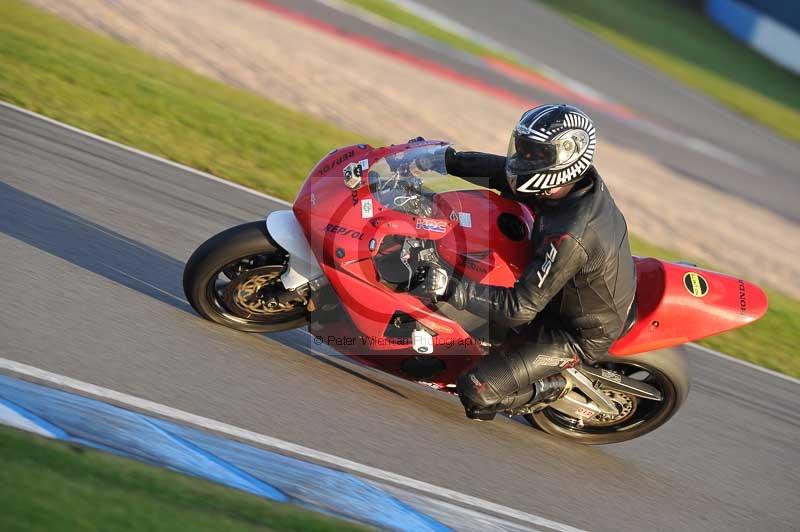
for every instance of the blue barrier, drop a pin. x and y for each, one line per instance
(89, 422)
(784, 10)
(738, 19)
(770, 37)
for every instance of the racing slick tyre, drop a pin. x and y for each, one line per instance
(234, 279)
(666, 370)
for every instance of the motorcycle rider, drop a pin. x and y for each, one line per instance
(575, 297)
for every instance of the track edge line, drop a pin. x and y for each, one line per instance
(169, 412)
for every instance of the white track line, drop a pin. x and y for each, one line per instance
(745, 363)
(275, 443)
(284, 202)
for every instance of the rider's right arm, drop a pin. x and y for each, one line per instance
(556, 260)
(482, 169)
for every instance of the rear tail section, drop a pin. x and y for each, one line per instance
(677, 303)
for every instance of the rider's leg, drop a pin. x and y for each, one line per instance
(505, 380)
(542, 390)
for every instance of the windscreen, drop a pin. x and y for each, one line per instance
(410, 180)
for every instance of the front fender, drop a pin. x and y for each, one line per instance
(285, 231)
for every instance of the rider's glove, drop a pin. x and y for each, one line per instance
(424, 163)
(436, 280)
(440, 285)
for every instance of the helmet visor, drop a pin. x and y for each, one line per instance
(527, 156)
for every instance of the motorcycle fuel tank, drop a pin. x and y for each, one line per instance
(491, 242)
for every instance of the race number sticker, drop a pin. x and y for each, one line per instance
(366, 208)
(364, 164)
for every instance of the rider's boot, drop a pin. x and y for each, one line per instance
(544, 390)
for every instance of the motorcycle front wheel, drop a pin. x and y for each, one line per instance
(665, 370)
(234, 279)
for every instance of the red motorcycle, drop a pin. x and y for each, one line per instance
(346, 259)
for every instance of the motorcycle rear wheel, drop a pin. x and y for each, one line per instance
(667, 370)
(233, 279)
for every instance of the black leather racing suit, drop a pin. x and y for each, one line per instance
(572, 300)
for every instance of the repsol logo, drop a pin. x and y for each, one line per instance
(344, 231)
(336, 162)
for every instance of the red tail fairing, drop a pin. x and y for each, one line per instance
(678, 304)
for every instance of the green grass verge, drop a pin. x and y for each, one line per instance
(687, 46)
(117, 91)
(114, 90)
(49, 485)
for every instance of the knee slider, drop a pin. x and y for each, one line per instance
(474, 392)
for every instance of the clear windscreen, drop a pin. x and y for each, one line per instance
(410, 180)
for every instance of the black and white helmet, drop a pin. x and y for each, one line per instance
(551, 146)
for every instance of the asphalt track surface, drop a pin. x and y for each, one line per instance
(682, 130)
(93, 239)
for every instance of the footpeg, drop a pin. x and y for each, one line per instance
(549, 389)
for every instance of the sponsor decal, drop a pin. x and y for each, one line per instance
(422, 341)
(465, 220)
(433, 225)
(584, 412)
(366, 208)
(610, 375)
(477, 255)
(553, 361)
(549, 259)
(695, 284)
(344, 231)
(364, 164)
(472, 261)
(352, 175)
(742, 297)
(330, 165)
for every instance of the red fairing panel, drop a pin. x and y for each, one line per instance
(481, 251)
(339, 233)
(679, 304)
